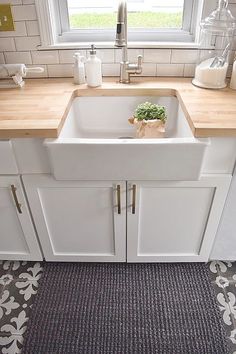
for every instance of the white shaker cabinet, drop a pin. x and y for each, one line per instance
(174, 221)
(160, 221)
(79, 221)
(18, 240)
(225, 241)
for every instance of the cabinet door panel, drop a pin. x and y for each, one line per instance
(174, 221)
(78, 220)
(17, 237)
(225, 242)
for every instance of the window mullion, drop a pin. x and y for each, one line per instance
(64, 15)
(187, 15)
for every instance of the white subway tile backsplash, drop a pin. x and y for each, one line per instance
(24, 12)
(45, 57)
(28, 1)
(7, 44)
(18, 57)
(118, 55)
(189, 70)
(149, 69)
(66, 56)
(189, 56)
(110, 69)
(157, 55)
(27, 43)
(132, 55)
(37, 75)
(32, 28)
(60, 70)
(170, 69)
(2, 59)
(231, 56)
(20, 30)
(12, 2)
(106, 55)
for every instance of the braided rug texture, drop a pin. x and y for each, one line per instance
(102, 308)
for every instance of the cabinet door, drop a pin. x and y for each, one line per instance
(174, 221)
(17, 236)
(79, 221)
(224, 247)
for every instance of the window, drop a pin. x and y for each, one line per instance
(95, 20)
(94, 14)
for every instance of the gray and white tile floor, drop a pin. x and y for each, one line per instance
(224, 281)
(18, 287)
(19, 282)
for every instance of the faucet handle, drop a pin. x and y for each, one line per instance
(140, 60)
(139, 68)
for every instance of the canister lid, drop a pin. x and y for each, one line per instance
(221, 19)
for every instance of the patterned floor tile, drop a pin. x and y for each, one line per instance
(18, 287)
(228, 269)
(11, 344)
(5, 269)
(221, 275)
(220, 268)
(26, 270)
(225, 308)
(16, 297)
(231, 297)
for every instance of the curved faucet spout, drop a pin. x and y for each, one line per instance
(126, 68)
(121, 27)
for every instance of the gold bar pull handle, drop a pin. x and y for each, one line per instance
(118, 199)
(134, 188)
(18, 205)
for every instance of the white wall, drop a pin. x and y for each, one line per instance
(21, 47)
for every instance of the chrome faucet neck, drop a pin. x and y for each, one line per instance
(126, 68)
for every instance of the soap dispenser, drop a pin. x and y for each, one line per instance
(79, 70)
(93, 69)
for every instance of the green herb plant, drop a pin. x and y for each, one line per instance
(150, 111)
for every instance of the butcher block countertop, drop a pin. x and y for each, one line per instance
(39, 109)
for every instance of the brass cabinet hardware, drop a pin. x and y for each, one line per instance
(118, 199)
(18, 205)
(134, 198)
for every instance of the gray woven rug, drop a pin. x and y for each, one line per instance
(87, 308)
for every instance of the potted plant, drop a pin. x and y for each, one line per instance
(149, 119)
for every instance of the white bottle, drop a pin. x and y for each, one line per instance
(93, 69)
(233, 77)
(79, 70)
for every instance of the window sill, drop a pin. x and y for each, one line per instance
(110, 45)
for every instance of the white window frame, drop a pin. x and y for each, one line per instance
(54, 25)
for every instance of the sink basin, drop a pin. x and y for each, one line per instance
(98, 143)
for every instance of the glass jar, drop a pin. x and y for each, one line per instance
(216, 39)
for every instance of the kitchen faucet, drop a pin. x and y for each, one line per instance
(126, 68)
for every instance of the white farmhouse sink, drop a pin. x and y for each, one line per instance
(97, 143)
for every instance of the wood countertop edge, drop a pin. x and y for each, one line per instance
(51, 128)
(6, 134)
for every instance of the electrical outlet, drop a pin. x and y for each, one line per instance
(6, 19)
